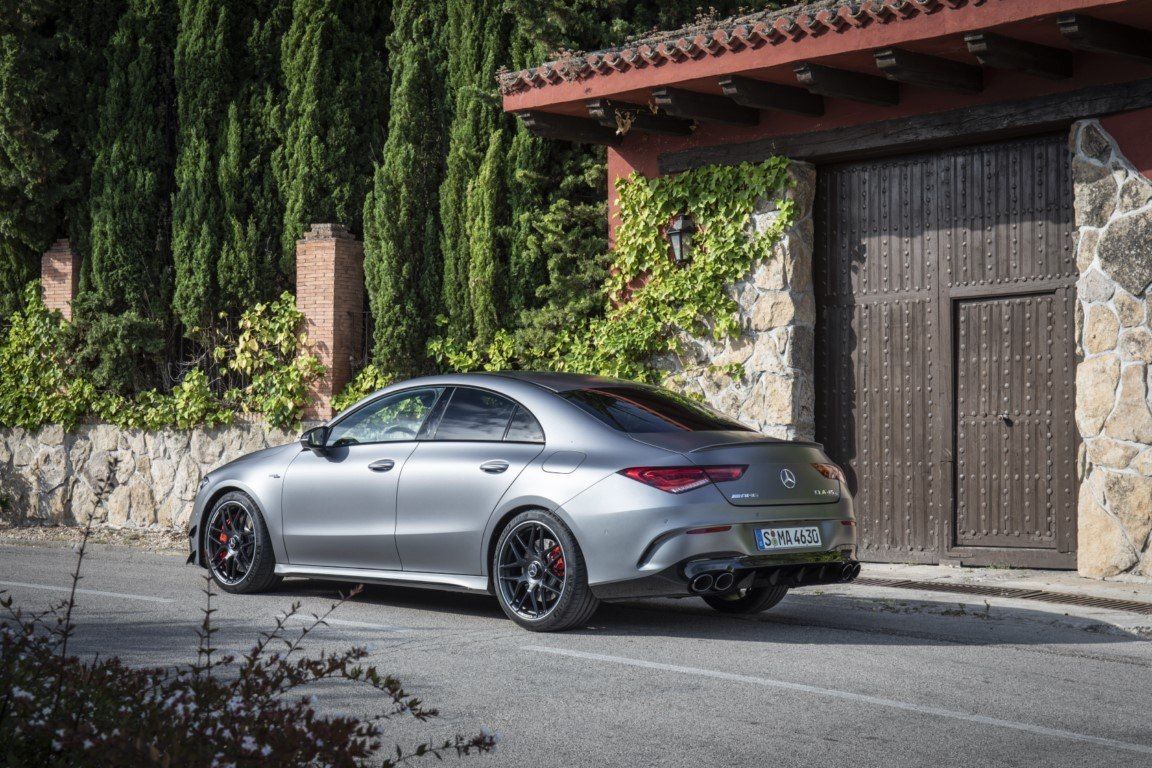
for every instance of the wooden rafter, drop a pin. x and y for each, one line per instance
(843, 84)
(759, 94)
(1001, 52)
(703, 106)
(581, 130)
(623, 116)
(931, 71)
(1099, 36)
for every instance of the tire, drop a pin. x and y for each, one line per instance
(750, 601)
(564, 602)
(255, 546)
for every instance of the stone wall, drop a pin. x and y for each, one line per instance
(1114, 345)
(50, 476)
(778, 315)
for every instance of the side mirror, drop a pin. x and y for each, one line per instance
(315, 440)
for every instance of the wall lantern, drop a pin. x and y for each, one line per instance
(679, 234)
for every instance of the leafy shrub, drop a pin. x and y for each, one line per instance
(36, 386)
(43, 382)
(371, 378)
(646, 300)
(268, 353)
(57, 709)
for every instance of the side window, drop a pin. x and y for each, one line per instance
(390, 419)
(524, 428)
(474, 414)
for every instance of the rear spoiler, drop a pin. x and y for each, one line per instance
(765, 441)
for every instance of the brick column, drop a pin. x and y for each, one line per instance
(60, 276)
(330, 294)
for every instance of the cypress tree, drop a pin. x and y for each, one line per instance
(253, 211)
(485, 237)
(204, 84)
(401, 227)
(34, 136)
(129, 275)
(479, 31)
(335, 112)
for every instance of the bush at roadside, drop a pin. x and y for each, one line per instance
(57, 709)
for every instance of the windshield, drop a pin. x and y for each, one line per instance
(637, 409)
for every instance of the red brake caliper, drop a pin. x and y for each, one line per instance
(556, 561)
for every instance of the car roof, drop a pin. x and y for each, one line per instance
(561, 382)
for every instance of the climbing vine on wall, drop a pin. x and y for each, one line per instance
(40, 382)
(648, 300)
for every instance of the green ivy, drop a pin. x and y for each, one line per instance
(41, 382)
(35, 383)
(647, 299)
(371, 378)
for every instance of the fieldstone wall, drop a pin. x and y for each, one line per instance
(50, 476)
(776, 395)
(1114, 344)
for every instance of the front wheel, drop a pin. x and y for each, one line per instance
(747, 601)
(539, 574)
(237, 548)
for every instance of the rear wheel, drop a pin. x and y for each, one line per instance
(747, 601)
(539, 574)
(237, 548)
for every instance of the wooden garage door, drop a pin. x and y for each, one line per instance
(944, 351)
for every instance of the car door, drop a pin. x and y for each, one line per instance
(339, 507)
(454, 480)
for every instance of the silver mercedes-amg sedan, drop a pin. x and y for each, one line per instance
(551, 491)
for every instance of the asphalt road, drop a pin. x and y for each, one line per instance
(847, 675)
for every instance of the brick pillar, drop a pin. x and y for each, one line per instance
(60, 276)
(330, 294)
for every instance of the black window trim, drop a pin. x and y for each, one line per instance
(444, 390)
(433, 439)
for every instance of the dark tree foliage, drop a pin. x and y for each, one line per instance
(248, 269)
(335, 113)
(35, 107)
(401, 214)
(128, 276)
(204, 73)
(479, 31)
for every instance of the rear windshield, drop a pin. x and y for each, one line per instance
(647, 409)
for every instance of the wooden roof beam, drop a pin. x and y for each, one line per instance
(1099, 36)
(929, 71)
(759, 94)
(549, 125)
(623, 116)
(1001, 52)
(704, 106)
(843, 84)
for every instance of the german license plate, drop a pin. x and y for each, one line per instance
(801, 537)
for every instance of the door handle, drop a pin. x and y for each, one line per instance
(494, 467)
(383, 465)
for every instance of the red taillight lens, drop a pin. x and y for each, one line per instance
(830, 471)
(681, 479)
(724, 474)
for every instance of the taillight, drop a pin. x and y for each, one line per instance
(831, 471)
(681, 479)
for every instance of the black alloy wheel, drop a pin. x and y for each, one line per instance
(237, 549)
(539, 574)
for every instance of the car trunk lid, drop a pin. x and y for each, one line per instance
(778, 471)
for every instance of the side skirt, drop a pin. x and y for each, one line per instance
(447, 581)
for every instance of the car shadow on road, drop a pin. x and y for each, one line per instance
(857, 620)
(802, 617)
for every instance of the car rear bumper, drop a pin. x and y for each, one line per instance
(798, 569)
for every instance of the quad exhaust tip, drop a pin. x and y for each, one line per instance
(702, 583)
(723, 582)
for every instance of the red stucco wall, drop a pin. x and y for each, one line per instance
(1133, 132)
